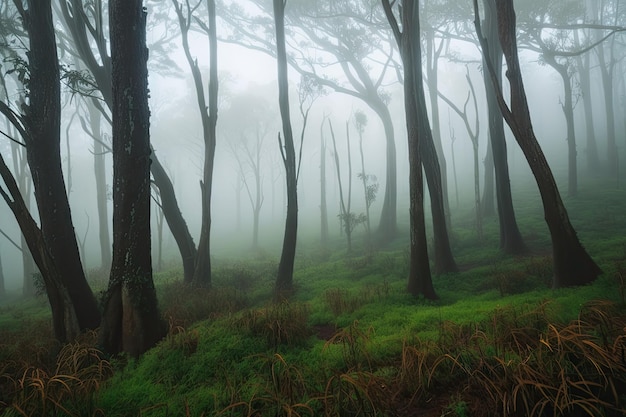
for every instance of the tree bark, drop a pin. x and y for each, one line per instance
(284, 278)
(78, 26)
(131, 320)
(420, 280)
(511, 240)
(572, 264)
(43, 122)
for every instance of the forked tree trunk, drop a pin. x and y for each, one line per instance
(572, 264)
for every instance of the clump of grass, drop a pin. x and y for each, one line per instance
(281, 323)
(69, 387)
(341, 301)
(183, 305)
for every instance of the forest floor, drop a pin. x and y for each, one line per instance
(350, 341)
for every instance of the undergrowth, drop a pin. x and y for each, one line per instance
(351, 342)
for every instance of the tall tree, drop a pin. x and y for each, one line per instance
(53, 244)
(208, 115)
(323, 203)
(334, 30)
(284, 278)
(86, 38)
(572, 263)
(408, 39)
(474, 134)
(131, 320)
(511, 240)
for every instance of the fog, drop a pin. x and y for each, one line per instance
(249, 76)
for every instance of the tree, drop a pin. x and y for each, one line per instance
(572, 263)
(284, 278)
(334, 30)
(131, 320)
(473, 133)
(408, 39)
(53, 243)
(348, 219)
(2, 287)
(208, 115)
(323, 203)
(370, 187)
(511, 240)
(85, 38)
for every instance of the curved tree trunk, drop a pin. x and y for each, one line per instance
(572, 264)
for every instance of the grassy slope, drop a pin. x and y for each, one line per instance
(231, 351)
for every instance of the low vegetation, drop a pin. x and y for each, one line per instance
(351, 342)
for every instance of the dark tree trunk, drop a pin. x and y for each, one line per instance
(208, 115)
(24, 185)
(568, 111)
(511, 241)
(572, 264)
(420, 281)
(174, 218)
(444, 261)
(131, 320)
(432, 73)
(43, 120)
(101, 189)
(78, 27)
(64, 320)
(284, 278)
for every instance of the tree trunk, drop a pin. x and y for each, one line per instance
(78, 27)
(432, 74)
(511, 241)
(101, 189)
(420, 281)
(284, 278)
(44, 158)
(2, 287)
(488, 200)
(584, 69)
(568, 111)
(174, 218)
(606, 70)
(24, 185)
(131, 320)
(572, 264)
(323, 204)
(387, 227)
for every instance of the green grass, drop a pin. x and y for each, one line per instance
(231, 351)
